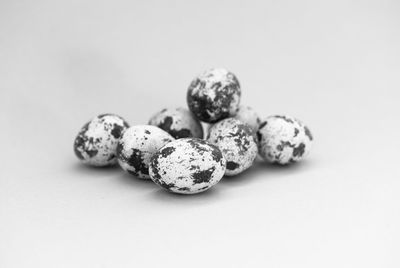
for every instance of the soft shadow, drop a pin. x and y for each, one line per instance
(290, 168)
(132, 181)
(263, 170)
(86, 169)
(244, 176)
(204, 197)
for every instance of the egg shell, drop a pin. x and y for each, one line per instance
(96, 143)
(249, 116)
(137, 146)
(179, 122)
(187, 166)
(283, 139)
(214, 95)
(236, 142)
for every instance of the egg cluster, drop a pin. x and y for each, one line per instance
(173, 149)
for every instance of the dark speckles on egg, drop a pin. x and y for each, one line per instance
(263, 124)
(286, 118)
(298, 151)
(96, 143)
(283, 140)
(203, 175)
(166, 125)
(167, 186)
(187, 166)
(167, 151)
(101, 116)
(138, 145)
(259, 136)
(79, 145)
(214, 95)
(308, 133)
(296, 132)
(136, 160)
(237, 143)
(178, 122)
(117, 130)
(216, 153)
(231, 165)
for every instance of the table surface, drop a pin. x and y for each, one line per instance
(333, 64)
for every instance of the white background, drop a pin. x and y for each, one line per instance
(333, 64)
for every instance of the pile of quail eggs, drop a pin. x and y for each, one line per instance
(173, 149)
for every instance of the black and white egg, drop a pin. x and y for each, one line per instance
(248, 115)
(187, 166)
(283, 139)
(138, 145)
(214, 95)
(236, 142)
(96, 143)
(179, 122)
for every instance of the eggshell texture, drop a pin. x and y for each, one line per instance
(187, 166)
(236, 142)
(138, 145)
(178, 122)
(96, 143)
(249, 116)
(283, 139)
(214, 95)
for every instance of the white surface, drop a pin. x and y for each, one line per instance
(335, 65)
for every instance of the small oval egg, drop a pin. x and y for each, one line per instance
(96, 143)
(283, 139)
(236, 142)
(248, 115)
(179, 122)
(187, 166)
(137, 146)
(214, 95)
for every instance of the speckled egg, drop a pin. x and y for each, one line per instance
(283, 139)
(96, 143)
(179, 122)
(138, 145)
(236, 142)
(214, 95)
(248, 115)
(187, 166)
